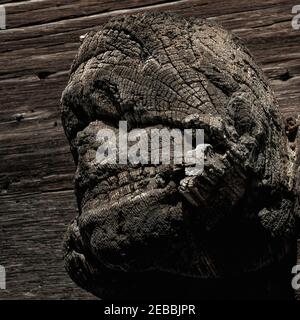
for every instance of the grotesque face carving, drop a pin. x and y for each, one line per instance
(158, 70)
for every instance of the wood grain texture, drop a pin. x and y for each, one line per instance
(36, 168)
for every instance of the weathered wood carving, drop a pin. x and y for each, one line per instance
(143, 226)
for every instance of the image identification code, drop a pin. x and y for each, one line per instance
(151, 309)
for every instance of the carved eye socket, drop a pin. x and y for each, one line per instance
(241, 106)
(243, 122)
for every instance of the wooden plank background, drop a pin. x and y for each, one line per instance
(36, 168)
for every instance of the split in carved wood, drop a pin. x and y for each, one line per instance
(239, 215)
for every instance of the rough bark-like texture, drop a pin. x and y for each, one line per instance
(36, 169)
(145, 222)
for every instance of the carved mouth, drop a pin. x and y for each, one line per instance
(125, 206)
(126, 211)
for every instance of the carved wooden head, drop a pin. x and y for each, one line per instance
(238, 215)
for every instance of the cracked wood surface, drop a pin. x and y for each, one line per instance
(37, 48)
